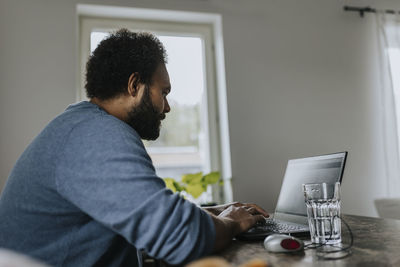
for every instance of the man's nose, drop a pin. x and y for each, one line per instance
(167, 108)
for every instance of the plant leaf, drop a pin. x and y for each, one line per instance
(194, 178)
(170, 184)
(179, 186)
(195, 190)
(212, 178)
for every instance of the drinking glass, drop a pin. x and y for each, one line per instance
(323, 212)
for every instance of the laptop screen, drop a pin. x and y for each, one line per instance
(319, 169)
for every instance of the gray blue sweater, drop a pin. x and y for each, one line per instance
(85, 193)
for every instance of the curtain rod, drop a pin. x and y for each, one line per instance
(367, 9)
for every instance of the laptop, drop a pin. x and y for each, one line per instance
(290, 215)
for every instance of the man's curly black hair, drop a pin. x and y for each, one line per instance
(117, 57)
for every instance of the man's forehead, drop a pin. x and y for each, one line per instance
(162, 76)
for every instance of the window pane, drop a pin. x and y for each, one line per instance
(96, 38)
(180, 148)
(185, 68)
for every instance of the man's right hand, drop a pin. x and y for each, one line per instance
(232, 221)
(242, 217)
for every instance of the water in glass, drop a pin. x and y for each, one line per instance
(324, 220)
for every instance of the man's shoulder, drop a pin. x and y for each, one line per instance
(85, 116)
(87, 122)
(83, 113)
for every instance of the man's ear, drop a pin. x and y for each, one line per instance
(133, 84)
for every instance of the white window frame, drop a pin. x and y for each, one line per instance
(177, 23)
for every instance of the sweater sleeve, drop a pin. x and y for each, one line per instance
(104, 170)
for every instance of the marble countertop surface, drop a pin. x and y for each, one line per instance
(376, 243)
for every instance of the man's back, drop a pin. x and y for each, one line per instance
(74, 198)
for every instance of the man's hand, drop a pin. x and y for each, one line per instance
(243, 218)
(235, 219)
(216, 210)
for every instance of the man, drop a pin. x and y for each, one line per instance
(85, 192)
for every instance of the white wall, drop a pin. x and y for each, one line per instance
(301, 80)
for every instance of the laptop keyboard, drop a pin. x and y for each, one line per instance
(271, 225)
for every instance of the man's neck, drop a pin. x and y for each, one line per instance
(115, 107)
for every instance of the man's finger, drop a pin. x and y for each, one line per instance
(236, 204)
(259, 209)
(252, 210)
(258, 218)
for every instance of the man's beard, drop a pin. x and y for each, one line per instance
(145, 118)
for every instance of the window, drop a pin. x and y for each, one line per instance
(190, 136)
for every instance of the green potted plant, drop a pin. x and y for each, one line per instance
(194, 184)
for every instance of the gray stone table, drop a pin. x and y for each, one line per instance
(376, 243)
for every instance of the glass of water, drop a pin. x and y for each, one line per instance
(323, 211)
